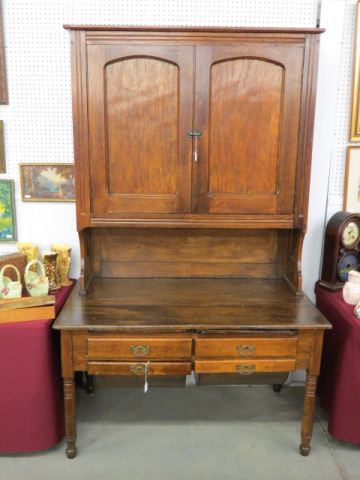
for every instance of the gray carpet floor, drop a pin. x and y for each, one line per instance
(200, 433)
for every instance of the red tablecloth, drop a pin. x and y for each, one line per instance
(339, 382)
(31, 404)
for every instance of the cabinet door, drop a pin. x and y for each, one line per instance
(247, 109)
(140, 100)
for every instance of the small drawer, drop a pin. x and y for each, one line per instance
(245, 347)
(138, 369)
(112, 347)
(244, 367)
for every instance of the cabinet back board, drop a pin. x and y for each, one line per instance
(143, 253)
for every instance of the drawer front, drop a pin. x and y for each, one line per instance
(103, 347)
(246, 347)
(244, 367)
(138, 369)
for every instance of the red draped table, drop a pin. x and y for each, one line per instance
(339, 381)
(31, 403)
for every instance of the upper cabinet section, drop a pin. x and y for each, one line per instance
(193, 127)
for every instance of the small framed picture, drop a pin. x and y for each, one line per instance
(47, 182)
(7, 211)
(2, 148)
(352, 180)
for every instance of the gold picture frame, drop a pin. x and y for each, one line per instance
(355, 107)
(352, 180)
(8, 231)
(2, 148)
(47, 182)
(3, 83)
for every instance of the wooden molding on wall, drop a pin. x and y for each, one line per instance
(3, 83)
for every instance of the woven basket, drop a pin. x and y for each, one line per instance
(8, 287)
(36, 284)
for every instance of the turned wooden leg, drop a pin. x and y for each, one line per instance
(308, 414)
(70, 425)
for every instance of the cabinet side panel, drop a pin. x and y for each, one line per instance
(80, 128)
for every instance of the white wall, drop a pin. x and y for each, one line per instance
(331, 51)
(38, 123)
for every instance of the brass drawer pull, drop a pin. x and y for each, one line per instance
(137, 369)
(245, 350)
(245, 369)
(140, 350)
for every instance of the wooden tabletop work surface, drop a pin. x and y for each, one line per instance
(188, 304)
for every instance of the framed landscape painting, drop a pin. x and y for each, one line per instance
(47, 182)
(7, 211)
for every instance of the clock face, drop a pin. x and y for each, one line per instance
(350, 235)
(347, 262)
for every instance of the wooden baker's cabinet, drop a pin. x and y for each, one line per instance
(192, 156)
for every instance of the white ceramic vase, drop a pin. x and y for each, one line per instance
(351, 289)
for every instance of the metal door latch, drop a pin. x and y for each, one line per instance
(195, 134)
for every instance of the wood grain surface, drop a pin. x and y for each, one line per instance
(170, 305)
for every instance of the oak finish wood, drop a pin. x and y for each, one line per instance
(244, 367)
(136, 368)
(69, 393)
(248, 151)
(206, 280)
(249, 347)
(183, 253)
(140, 108)
(139, 347)
(293, 41)
(172, 29)
(180, 305)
